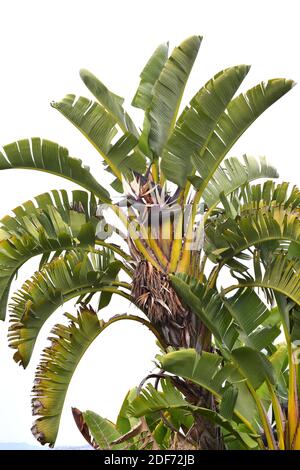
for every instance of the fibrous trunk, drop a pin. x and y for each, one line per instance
(179, 328)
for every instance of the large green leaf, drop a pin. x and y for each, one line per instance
(169, 399)
(110, 101)
(43, 155)
(125, 421)
(207, 371)
(167, 93)
(241, 112)
(202, 369)
(77, 274)
(281, 275)
(103, 431)
(254, 366)
(279, 361)
(126, 158)
(240, 316)
(56, 369)
(268, 195)
(234, 175)
(249, 313)
(100, 127)
(267, 214)
(100, 432)
(209, 306)
(149, 76)
(197, 122)
(52, 223)
(58, 364)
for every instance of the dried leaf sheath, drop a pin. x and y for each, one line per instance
(153, 292)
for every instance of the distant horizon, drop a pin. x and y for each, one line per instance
(28, 446)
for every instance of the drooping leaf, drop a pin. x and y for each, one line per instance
(53, 223)
(151, 400)
(77, 274)
(282, 275)
(207, 371)
(44, 155)
(264, 216)
(58, 364)
(234, 174)
(55, 371)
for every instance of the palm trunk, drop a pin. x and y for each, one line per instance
(180, 328)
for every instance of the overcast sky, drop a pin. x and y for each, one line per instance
(43, 45)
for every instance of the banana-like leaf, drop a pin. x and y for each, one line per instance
(99, 126)
(92, 119)
(44, 155)
(228, 402)
(169, 399)
(263, 338)
(241, 112)
(206, 370)
(53, 223)
(281, 275)
(268, 195)
(202, 369)
(149, 76)
(58, 364)
(261, 220)
(126, 158)
(279, 361)
(167, 93)
(197, 122)
(209, 306)
(233, 175)
(254, 366)
(228, 318)
(125, 421)
(77, 274)
(102, 430)
(110, 101)
(249, 313)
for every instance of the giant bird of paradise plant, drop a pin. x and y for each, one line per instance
(189, 214)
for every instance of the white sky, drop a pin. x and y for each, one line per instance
(43, 45)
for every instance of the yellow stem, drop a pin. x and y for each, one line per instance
(138, 243)
(176, 245)
(293, 403)
(154, 245)
(186, 252)
(154, 171)
(279, 418)
(264, 419)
